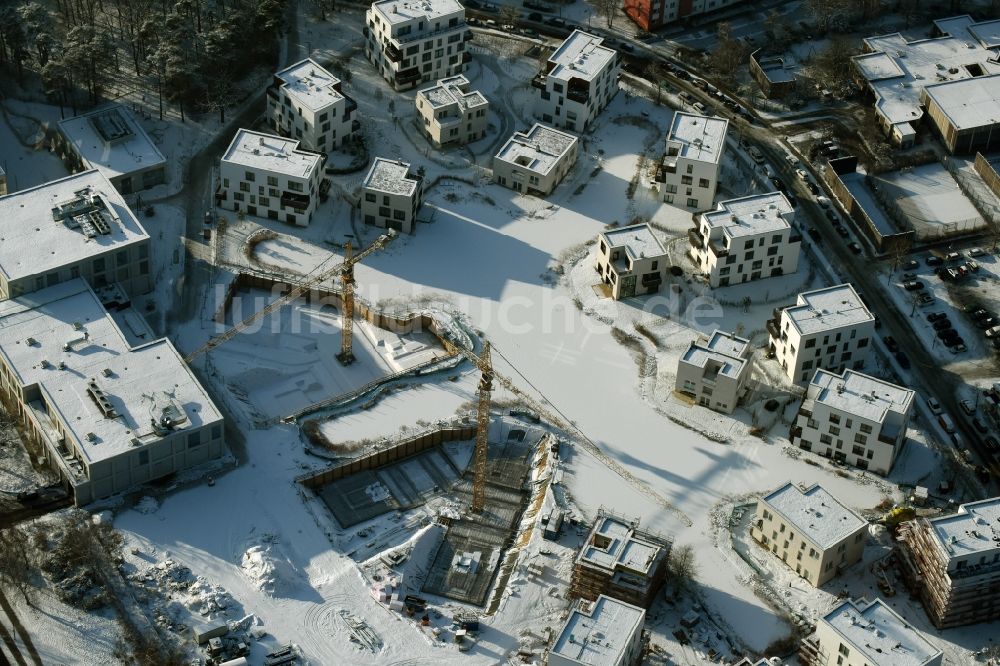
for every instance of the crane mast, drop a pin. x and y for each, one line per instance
(482, 430)
(346, 355)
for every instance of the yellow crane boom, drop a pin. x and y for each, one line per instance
(296, 291)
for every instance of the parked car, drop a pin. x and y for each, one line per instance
(913, 285)
(909, 276)
(823, 202)
(891, 344)
(941, 324)
(934, 405)
(992, 444)
(832, 216)
(967, 407)
(979, 425)
(814, 234)
(535, 16)
(953, 256)
(987, 323)
(801, 173)
(924, 300)
(979, 313)
(854, 247)
(842, 231)
(946, 423)
(911, 265)
(812, 187)
(993, 332)
(954, 342)
(936, 316)
(947, 333)
(556, 22)
(903, 360)
(934, 260)
(976, 252)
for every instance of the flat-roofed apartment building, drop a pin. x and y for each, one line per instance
(75, 227)
(621, 561)
(108, 409)
(605, 632)
(110, 140)
(867, 633)
(450, 113)
(536, 161)
(414, 41)
(688, 174)
(714, 371)
(653, 14)
(953, 563)
(578, 81)
(306, 102)
(268, 176)
(391, 195)
(745, 239)
(827, 328)
(810, 531)
(898, 73)
(631, 260)
(854, 418)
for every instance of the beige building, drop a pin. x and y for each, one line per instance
(631, 261)
(606, 632)
(745, 239)
(854, 418)
(966, 114)
(414, 41)
(862, 633)
(810, 531)
(305, 102)
(714, 371)
(109, 408)
(827, 328)
(268, 176)
(688, 174)
(953, 563)
(536, 161)
(391, 196)
(449, 113)
(577, 82)
(74, 227)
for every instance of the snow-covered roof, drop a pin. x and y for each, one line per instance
(969, 103)
(815, 514)
(110, 140)
(638, 240)
(695, 137)
(271, 153)
(860, 395)
(827, 309)
(34, 239)
(539, 149)
(400, 11)
(973, 530)
(452, 90)
(897, 69)
(310, 85)
(726, 349)
(880, 634)
(748, 216)
(390, 177)
(66, 324)
(582, 56)
(598, 634)
(622, 547)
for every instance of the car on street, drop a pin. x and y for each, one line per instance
(909, 276)
(989, 322)
(842, 231)
(823, 202)
(813, 189)
(947, 334)
(967, 407)
(946, 423)
(814, 234)
(959, 348)
(903, 360)
(913, 285)
(891, 344)
(934, 405)
(979, 425)
(801, 173)
(934, 260)
(910, 265)
(941, 324)
(535, 16)
(936, 316)
(976, 252)
(992, 445)
(832, 216)
(953, 256)
(854, 247)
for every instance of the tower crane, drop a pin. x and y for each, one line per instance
(482, 450)
(346, 271)
(346, 355)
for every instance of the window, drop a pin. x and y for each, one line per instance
(835, 418)
(773, 250)
(810, 343)
(143, 457)
(250, 176)
(703, 182)
(860, 439)
(858, 450)
(369, 197)
(811, 423)
(99, 265)
(399, 214)
(692, 203)
(686, 180)
(384, 211)
(865, 428)
(272, 181)
(244, 187)
(194, 440)
(863, 342)
(834, 430)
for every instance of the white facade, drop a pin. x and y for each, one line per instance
(606, 632)
(534, 162)
(391, 196)
(74, 227)
(860, 633)
(714, 371)
(450, 113)
(109, 410)
(414, 41)
(810, 531)
(827, 328)
(631, 260)
(305, 102)
(688, 175)
(746, 239)
(268, 176)
(854, 418)
(578, 81)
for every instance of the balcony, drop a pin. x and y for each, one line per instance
(579, 96)
(272, 92)
(886, 439)
(392, 53)
(696, 239)
(411, 75)
(538, 81)
(794, 432)
(295, 200)
(652, 280)
(795, 238)
(466, 57)
(468, 36)
(774, 328)
(718, 250)
(427, 34)
(351, 105)
(355, 125)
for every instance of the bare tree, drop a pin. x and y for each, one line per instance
(728, 53)
(898, 248)
(608, 9)
(682, 569)
(509, 15)
(15, 560)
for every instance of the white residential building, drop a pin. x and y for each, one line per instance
(688, 175)
(108, 405)
(862, 633)
(74, 227)
(391, 196)
(414, 41)
(631, 261)
(268, 176)
(746, 239)
(110, 140)
(810, 530)
(854, 418)
(606, 632)
(450, 113)
(714, 371)
(578, 81)
(826, 328)
(305, 102)
(534, 162)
